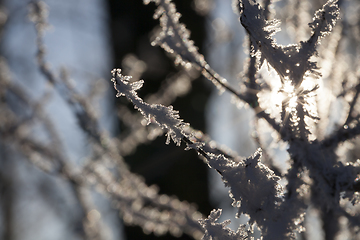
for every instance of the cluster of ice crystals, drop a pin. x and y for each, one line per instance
(166, 117)
(219, 231)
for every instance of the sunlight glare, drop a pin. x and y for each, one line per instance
(289, 95)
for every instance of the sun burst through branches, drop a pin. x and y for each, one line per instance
(289, 97)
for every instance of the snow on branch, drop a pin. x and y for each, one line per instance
(254, 187)
(166, 117)
(175, 39)
(217, 231)
(290, 62)
(325, 19)
(255, 191)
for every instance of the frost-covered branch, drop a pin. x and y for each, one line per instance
(254, 188)
(139, 133)
(219, 231)
(166, 117)
(290, 62)
(175, 39)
